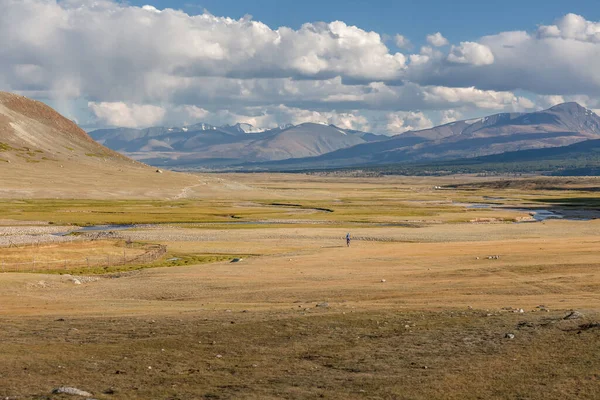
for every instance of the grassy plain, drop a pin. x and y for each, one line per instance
(414, 309)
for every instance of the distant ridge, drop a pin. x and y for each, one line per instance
(316, 146)
(561, 125)
(208, 145)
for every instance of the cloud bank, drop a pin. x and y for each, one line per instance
(140, 66)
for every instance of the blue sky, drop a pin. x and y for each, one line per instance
(380, 66)
(458, 20)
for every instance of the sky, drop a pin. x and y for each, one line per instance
(381, 66)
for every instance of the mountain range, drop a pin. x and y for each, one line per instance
(41, 149)
(316, 146)
(561, 125)
(208, 145)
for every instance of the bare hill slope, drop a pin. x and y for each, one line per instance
(43, 154)
(31, 132)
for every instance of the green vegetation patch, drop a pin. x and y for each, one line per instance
(169, 260)
(130, 212)
(5, 147)
(94, 155)
(572, 202)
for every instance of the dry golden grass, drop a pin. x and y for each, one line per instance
(73, 251)
(434, 329)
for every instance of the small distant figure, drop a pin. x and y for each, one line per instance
(348, 239)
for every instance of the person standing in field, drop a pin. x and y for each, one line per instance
(348, 239)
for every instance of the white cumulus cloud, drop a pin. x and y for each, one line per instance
(437, 40)
(402, 42)
(471, 53)
(113, 48)
(572, 27)
(139, 66)
(553, 59)
(401, 122)
(128, 116)
(449, 116)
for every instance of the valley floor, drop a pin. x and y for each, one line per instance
(434, 299)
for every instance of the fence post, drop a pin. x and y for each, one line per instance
(33, 264)
(88, 262)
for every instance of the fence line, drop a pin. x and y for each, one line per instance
(153, 253)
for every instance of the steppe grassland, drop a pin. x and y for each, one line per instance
(434, 329)
(307, 198)
(68, 251)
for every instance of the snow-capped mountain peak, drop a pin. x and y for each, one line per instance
(242, 127)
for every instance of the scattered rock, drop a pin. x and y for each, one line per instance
(219, 356)
(71, 390)
(76, 281)
(524, 324)
(509, 336)
(574, 315)
(235, 260)
(323, 305)
(585, 327)
(383, 281)
(159, 171)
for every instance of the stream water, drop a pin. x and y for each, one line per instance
(538, 215)
(96, 228)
